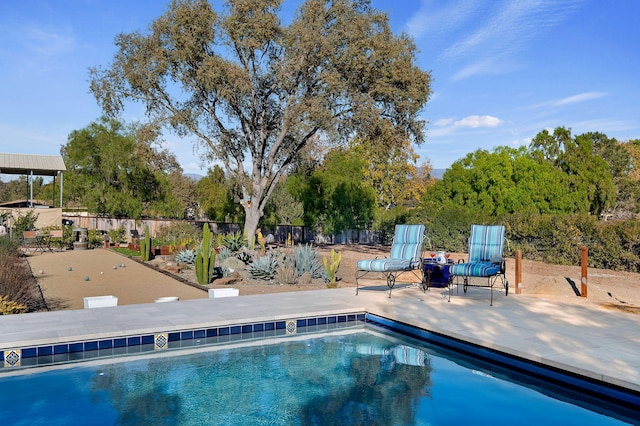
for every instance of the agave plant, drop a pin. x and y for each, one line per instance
(264, 267)
(235, 241)
(306, 260)
(186, 256)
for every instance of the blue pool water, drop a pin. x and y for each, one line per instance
(352, 377)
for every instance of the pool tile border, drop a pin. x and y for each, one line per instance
(57, 353)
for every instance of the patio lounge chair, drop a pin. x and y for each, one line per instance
(486, 245)
(406, 255)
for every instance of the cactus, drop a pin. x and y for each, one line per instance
(205, 258)
(331, 265)
(145, 245)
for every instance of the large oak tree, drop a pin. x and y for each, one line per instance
(254, 91)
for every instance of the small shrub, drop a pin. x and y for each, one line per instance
(9, 307)
(286, 273)
(24, 223)
(179, 233)
(118, 235)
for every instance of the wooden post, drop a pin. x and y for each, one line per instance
(518, 272)
(583, 279)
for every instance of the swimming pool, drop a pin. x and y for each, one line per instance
(357, 375)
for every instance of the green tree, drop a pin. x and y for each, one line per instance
(214, 194)
(335, 195)
(108, 172)
(254, 92)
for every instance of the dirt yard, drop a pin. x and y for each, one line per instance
(111, 273)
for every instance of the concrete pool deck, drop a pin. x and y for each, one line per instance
(596, 343)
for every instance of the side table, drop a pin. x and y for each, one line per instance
(436, 274)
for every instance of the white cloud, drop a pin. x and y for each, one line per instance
(569, 100)
(443, 122)
(475, 121)
(582, 97)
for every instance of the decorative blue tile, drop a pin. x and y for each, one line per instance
(90, 346)
(269, 326)
(301, 323)
(60, 349)
(258, 327)
(312, 321)
(147, 340)
(29, 353)
(105, 344)
(76, 347)
(174, 337)
(45, 350)
(236, 329)
(212, 332)
(351, 317)
(322, 320)
(134, 341)
(331, 320)
(199, 334)
(120, 342)
(281, 325)
(247, 329)
(186, 335)
(223, 331)
(342, 318)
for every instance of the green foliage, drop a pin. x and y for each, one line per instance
(178, 233)
(145, 245)
(335, 196)
(126, 251)
(264, 267)
(118, 235)
(331, 265)
(215, 196)
(234, 241)
(205, 257)
(125, 172)
(306, 261)
(186, 256)
(26, 222)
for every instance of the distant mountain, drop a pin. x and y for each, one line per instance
(194, 176)
(437, 173)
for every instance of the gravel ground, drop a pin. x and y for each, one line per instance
(138, 283)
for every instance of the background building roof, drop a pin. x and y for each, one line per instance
(24, 164)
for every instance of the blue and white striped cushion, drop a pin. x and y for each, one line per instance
(475, 269)
(385, 265)
(486, 243)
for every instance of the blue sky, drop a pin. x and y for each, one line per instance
(502, 70)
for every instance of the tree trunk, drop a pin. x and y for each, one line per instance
(252, 216)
